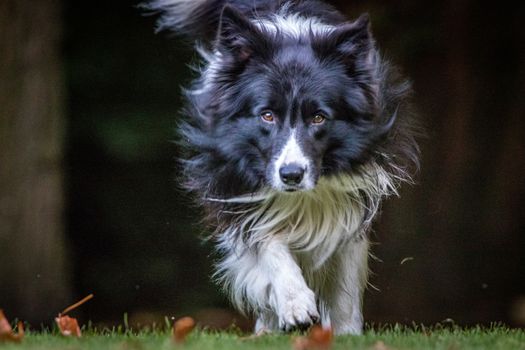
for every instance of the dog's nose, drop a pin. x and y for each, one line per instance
(291, 174)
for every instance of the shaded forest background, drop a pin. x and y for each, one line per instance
(89, 97)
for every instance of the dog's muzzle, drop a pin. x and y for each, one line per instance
(292, 174)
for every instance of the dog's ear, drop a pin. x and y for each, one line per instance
(238, 37)
(354, 36)
(353, 45)
(352, 42)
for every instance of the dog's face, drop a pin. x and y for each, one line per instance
(294, 104)
(298, 121)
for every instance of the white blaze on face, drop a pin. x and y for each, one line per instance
(292, 154)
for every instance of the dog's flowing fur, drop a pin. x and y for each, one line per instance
(293, 252)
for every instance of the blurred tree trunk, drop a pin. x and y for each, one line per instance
(33, 275)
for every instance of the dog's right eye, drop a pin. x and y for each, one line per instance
(268, 117)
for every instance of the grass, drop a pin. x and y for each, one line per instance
(394, 337)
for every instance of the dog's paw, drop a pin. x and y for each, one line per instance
(297, 309)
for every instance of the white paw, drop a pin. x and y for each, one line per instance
(297, 308)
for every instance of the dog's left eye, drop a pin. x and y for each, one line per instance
(318, 118)
(268, 116)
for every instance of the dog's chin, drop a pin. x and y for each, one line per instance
(293, 189)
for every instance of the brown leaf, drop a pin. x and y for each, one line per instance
(5, 327)
(318, 338)
(182, 328)
(301, 343)
(380, 345)
(6, 332)
(68, 326)
(321, 336)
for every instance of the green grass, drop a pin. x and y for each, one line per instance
(395, 337)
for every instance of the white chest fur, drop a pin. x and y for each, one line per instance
(288, 239)
(317, 221)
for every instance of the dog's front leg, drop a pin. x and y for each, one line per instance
(291, 299)
(344, 295)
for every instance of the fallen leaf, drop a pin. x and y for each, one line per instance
(318, 338)
(6, 332)
(321, 336)
(5, 327)
(380, 345)
(182, 328)
(68, 326)
(301, 343)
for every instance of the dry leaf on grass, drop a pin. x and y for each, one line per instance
(68, 326)
(6, 332)
(380, 345)
(182, 328)
(318, 338)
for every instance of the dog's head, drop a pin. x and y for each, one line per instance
(288, 100)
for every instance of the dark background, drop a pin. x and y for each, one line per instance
(451, 247)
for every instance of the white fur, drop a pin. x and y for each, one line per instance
(208, 73)
(294, 25)
(292, 153)
(175, 12)
(305, 253)
(343, 297)
(249, 198)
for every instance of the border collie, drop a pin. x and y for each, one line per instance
(295, 130)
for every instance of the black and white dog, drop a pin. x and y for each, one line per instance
(295, 131)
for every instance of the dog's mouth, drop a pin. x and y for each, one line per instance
(293, 188)
(304, 186)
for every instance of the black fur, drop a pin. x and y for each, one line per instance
(202, 23)
(229, 148)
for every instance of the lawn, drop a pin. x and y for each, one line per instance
(387, 338)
